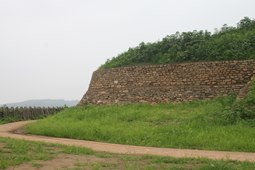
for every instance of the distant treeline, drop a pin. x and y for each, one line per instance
(26, 113)
(226, 43)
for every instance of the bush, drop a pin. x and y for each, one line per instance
(236, 114)
(242, 110)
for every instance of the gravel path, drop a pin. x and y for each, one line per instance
(6, 130)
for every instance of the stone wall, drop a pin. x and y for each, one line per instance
(168, 82)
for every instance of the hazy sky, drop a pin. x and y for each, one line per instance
(49, 48)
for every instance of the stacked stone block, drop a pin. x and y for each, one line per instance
(168, 82)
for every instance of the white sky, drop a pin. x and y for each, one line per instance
(49, 48)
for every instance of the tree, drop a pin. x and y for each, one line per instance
(246, 22)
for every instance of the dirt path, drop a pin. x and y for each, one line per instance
(6, 130)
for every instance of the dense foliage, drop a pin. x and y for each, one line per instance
(228, 43)
(9, 114)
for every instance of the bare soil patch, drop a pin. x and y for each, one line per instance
(66, 161)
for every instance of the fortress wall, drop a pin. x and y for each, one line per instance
(168, 82)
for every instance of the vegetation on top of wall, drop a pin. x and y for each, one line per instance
(227, 43)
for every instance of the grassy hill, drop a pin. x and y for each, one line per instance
(219, 124)
(227, 43)
(223, 123)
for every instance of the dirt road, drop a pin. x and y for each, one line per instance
(6, 130)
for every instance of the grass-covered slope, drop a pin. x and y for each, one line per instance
(219, 124)
(229, 43)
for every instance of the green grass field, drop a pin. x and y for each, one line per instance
(16, 152)
(194, 125)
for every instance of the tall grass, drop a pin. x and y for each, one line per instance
(197, 125)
